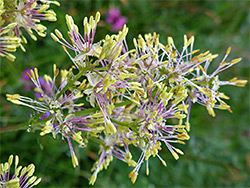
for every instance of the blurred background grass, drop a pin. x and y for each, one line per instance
(217, 155)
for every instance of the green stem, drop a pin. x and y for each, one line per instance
(70, 83)
(35, 122)
(22, 126)
(17, 127)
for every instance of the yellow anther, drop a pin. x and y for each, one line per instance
(97, 16)
(32, 74)
(77, 137)
(83, 84)
(159, 119)
(74, 160)
(193, 52)
(92, 22)
(164, 163)
(13, 97)
(183, 107)
(37, 181)
(179, 116)
(210, 111)
(165, 62)
(54, 37)
(30, 170)
(185, 41)
(18, 170)
(64, 73)
(10, 160)
(241, 83)
(190, 41)
(33, 37)
(16, 161)
(55, 3)
(92, 179)
(24, 170)
(181, 142)
(183, 136)
(223, 96)
(170, 41)
(47, 128)
(235, 61)
(58, 33)
(36, 73)
(145, 56)
(179, 151)
(147, 171)
(175, 155)
(32, 179)
(47, 78)
(135, 42)
(43, 8)
(133, 176)
(228, 50)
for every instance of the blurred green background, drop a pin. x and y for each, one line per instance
(217, 155)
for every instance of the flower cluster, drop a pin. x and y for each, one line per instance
(22, 177)
(122, 98)
(17, 16)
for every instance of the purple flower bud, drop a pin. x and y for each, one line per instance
(45, 115)
(114, 17)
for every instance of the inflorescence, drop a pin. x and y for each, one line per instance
(122, 98)
(18, 16)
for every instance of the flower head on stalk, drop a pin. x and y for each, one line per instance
(81, 45)
(55, 106)
(27, 14)
(8, 43)
(153, 119)
(22, 177)
(174, 68)
(111, 148)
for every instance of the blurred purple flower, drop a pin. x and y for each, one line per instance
(245, 133)
(114, 17)
(30, 86)
(118, 25)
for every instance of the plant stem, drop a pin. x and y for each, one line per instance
(70, 83)
(22, 126)
(35, 122)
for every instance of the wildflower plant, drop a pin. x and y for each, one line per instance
(122, 98)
